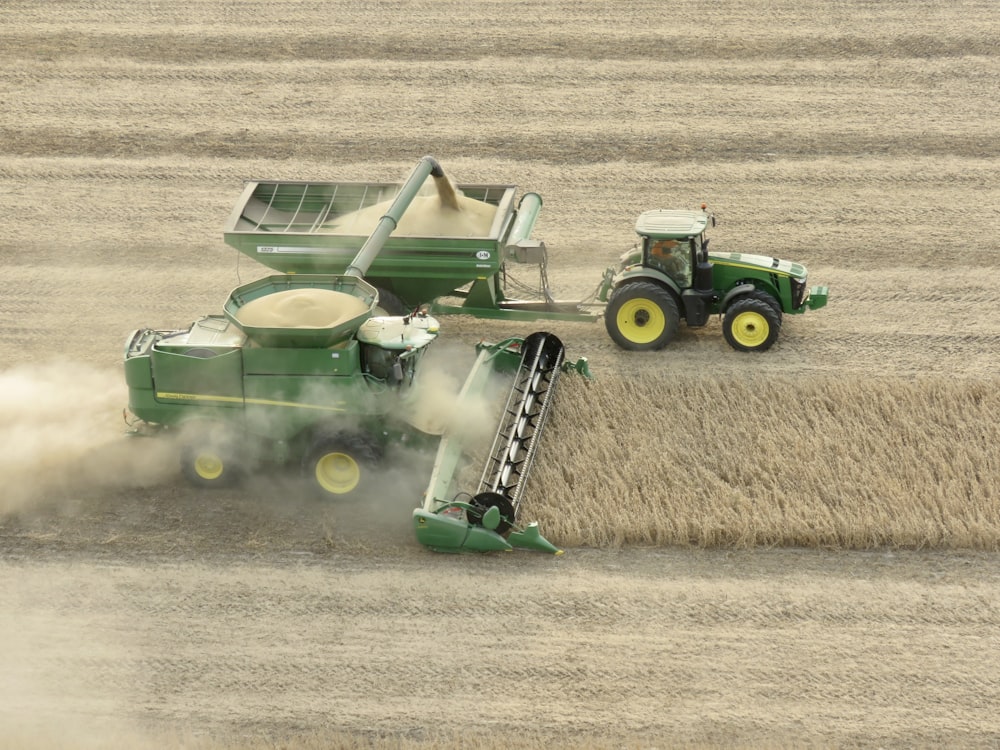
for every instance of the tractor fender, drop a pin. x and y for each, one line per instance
(736, 291)
(649, 274)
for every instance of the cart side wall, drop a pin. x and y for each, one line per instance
(286, 226)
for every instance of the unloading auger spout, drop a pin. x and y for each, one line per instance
(451, 521)
(427, 166)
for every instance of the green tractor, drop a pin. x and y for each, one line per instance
(671, 276)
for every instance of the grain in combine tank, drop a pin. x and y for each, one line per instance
(301, 308)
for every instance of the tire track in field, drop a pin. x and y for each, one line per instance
(589, 633)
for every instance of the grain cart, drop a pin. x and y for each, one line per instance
(434, 258)
(316, 227)
(304, 368)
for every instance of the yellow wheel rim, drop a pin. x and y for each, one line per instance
(641, 321)
(337, 473)
(208, 466)
(750, 329)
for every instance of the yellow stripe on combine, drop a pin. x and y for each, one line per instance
(198, 397)
(752, 268)
(238, 400)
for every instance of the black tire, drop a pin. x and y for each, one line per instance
(211, 455)
(390, 304)
(340, 466)
(751, 325)
(642, 316)
(765, 297)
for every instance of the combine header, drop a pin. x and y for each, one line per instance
(453, 521)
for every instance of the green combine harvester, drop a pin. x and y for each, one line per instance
(308, 369)
(316, 366)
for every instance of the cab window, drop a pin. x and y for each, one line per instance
(672, 257)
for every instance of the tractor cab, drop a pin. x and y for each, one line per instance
(674, 243)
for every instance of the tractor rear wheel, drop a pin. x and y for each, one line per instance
(751, 325)
(642, 316)
(210, 455)
(340, 466)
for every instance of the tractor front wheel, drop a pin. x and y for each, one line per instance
(769, 299)
(340, 466)
(642, 316)
(751, 325)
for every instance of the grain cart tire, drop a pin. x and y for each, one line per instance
(389, 303)
(751, 325)
(339, 466)
(210, 455)
(642, 316)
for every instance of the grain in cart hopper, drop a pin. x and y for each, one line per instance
(317, 227)
(329, 395)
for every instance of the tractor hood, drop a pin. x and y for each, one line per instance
(759, 263)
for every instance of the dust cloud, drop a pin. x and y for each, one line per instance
(61, 431)
(434, 406)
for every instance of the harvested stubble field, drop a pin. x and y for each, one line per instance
(792, 549)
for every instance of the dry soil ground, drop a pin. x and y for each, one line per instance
(859, 138)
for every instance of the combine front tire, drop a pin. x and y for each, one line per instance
(210, 456)
(751, 325)
(339, 466)
(642, 316)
